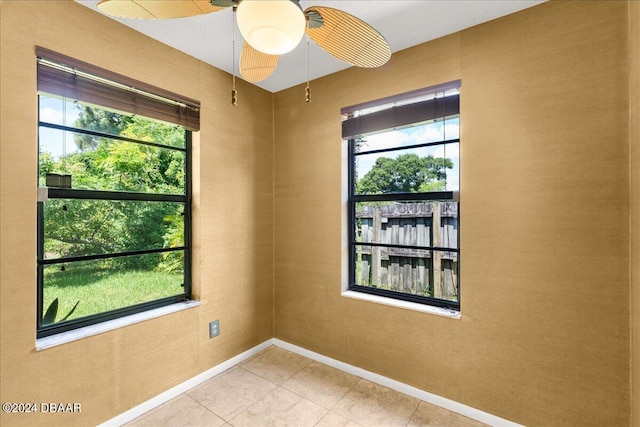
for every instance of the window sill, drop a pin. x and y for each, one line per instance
(87, 331)
(438, 311)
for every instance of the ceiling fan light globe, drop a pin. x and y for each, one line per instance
(274, 27)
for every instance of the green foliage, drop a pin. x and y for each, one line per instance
(154, 131)
(173, 262)
(84, 227)
(47, 165)
(408, 173)
(102, 288)
(52, 313)
(100, 121)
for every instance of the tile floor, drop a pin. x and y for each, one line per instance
(279, 388)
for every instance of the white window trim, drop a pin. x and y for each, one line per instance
(110, 325)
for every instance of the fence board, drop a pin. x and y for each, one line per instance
(422, 272)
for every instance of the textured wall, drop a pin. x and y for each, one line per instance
(634, 138)
(544, 334)
(233, 229)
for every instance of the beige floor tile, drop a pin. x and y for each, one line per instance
(334, 420)
(370, 404)
(321, 384)
(180, 411)
(428, 415)
(281, 407)
(231, 392)
(311, 394)
(276, 364)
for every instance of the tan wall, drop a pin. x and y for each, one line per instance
(634, 138)
(544, 334)
(233, 270)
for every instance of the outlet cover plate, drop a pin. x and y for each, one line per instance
(214, 328)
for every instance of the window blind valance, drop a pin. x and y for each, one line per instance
(64, 76)
(401, 115)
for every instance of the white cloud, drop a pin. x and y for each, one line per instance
(449, 151)
(434, 132)
(50, 115)
(423, 134)
(386, 140)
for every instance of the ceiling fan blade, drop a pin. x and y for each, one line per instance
(156, 9)
(347, 38)
(256, 66)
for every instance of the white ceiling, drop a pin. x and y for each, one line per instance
(404, 23)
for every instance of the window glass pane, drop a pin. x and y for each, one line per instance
(108, 284)
(451, 152)
(80, 115)
(58, 111)
(91, 227)
(423, 169)
(408, 223)
(109, 164)
(405, 232)
(422, 133)
(400, 270)
(446, 271)
(409, 271)
(104, 150)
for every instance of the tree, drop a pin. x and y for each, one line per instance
(84, 227)
(100, 121)
(407, 173)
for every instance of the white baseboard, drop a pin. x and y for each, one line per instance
(176, 391)
(451, 405)
(443, 402)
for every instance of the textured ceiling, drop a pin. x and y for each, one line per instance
(404, 23)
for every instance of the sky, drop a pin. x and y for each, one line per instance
(430, 132)
(56, 111)
(58, 143)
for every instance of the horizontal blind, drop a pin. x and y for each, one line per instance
(64, 76)
(401, 115)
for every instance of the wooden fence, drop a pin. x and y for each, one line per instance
(416, 271)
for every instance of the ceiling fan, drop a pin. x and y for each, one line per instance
(271, 28)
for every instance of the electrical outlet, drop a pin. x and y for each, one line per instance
(214, 328)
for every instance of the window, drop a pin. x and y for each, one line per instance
(403, 188)
(114, 201)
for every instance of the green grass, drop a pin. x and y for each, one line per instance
(103, 289)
